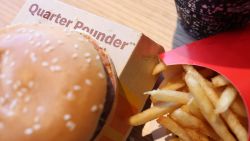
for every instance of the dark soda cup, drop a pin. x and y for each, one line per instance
(202, 18)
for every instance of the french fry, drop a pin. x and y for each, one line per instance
(226, 99)
(171, 125)
(181, 117)
(185, 108)
(192, 107)
(233, 122)
(159, 68)
(204, 83)
(169, 96)
(238, 107)
(170, 80)
(230, 118)
(174, 85)
(196, 136)
(207, 108)
(152, 113)
(176, 76)
(219, 81)
(194, 110)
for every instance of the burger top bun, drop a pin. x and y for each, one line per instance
(52, 84)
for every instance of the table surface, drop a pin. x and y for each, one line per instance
(157, 19)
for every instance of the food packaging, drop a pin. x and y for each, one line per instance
(133, 54)
(227, 54)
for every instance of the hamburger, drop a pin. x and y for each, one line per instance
(56, 85)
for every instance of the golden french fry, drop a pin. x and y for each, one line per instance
(174, 85)
(196, 136)
(235, 125)
(206, 85)
(194, 110)
(169, 96)
(185, 108)
(174, 76)
(238, 107)
(219, 81)
(171, 125)
(181, 117)
(152, 113)
(207, 109)
(230, 118)
(187, 120)
(205, 104)
(159, 68)
(226, 99)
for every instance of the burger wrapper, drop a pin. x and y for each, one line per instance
(133, 54)
(227, 54)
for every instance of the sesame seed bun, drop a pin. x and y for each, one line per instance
(53, 84)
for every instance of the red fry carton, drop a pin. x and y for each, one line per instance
(227, 54)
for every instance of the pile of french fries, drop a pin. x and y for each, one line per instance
(196, 104)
